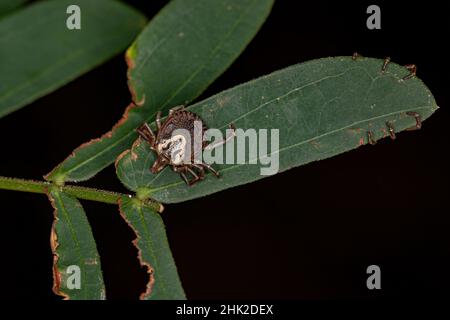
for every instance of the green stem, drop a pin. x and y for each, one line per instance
(42, 187)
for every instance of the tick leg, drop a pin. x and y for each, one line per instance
(201, 172)
(146, 133)
(158, 120)
(192, 172)
(182, 171)
(210, 168)
(418, 120)
(196, 177)
(391, 130)
(370, 138)
(183, 176)
(180, 107)
(412, 71)
(385, 64)
(219, 143)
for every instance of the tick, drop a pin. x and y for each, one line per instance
(171, 147)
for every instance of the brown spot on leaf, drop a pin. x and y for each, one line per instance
(90, 262)
(221, 101)
(315, 144)
(361, 141)
(354, 130)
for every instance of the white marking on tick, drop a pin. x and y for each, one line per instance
(176, 147)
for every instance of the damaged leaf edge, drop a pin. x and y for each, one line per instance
(150, 270)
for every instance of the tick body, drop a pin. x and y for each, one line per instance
(175, 143)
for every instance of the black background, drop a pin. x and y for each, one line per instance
(306, 233)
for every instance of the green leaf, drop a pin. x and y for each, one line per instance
(7, 6)
(322, 108)
(153, 250)
(73, 246)
(40, 54)
(182, 50)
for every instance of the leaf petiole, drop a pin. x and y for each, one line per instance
(84, 193)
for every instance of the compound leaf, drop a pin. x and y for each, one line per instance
(181, 51)
(321, 108)
(153, 250)
(77, 273)
(40, 54)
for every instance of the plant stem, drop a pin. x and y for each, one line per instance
(42, 187)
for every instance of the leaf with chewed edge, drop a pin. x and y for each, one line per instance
(321, 108)
(74, 247)
(179, 54)
(153, 250)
